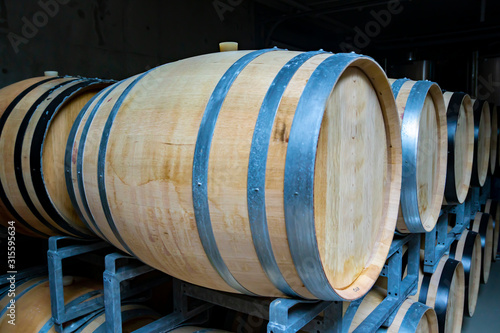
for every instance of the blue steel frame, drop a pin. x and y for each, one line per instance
(191, 303)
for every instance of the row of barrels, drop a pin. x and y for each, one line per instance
(270, 172)
(444, 297)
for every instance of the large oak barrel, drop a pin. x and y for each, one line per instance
(424, 142)
(492, 207)
(260, 172)
(32, 303)
(494, 139)
(467, 250)
(411, 316)
(483, 225)
(460, 122)
(36, 117)
(444, 291)
(482, 142)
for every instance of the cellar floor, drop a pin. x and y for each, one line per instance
(487, 315)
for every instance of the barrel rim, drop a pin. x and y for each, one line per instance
(415, 314)
(410, 206)
(494, 137)
(299, 177)
(457, 193)
(481, 112)
(451, 269)
(483, 222)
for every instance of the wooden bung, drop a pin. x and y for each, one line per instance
(411, 316)
(467, 250)
(265, 172)
(460, 123)
(424, 136)
(228, 46)
(444, 291)
(483, 225)
(36, 116)
(492, 207)
(33, 309)
(482, 142)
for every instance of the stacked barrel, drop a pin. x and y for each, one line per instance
(32, 310)
(266, 173)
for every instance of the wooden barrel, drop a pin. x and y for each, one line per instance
(494, 139)
(444, 291)
(483, 225)
(134, 316)
(467, 250)
(424, 142)
(36, 116)
(411, 316)
(482, 142)
(492, 207)
(32, 303)
(246, 169)
(460, 123)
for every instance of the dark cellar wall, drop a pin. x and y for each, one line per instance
(120, 38)
(112, 38)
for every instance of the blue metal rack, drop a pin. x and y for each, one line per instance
(55, 255)
(284, 315)
(399, 286)
(85, 308)
(192, 303)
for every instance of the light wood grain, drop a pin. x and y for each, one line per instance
(7, 171)
(33, 308)
(53, 140)
(455, 307)
(454, 313)
(487, 246)
(54, 149)
(149, 171)
(464, 145)
(428, 323)
(494, 139)
(127, 326)
(432, 150)
(475, 269)
(354, 122)
(490, 203)
(8, 94)
(482, 155)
